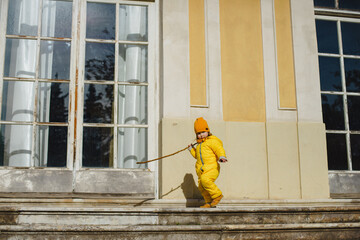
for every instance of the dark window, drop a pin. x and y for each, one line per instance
(333, 111)
(324, 3)
(355, 151)
(337, 154)
(349, 5)
(330, 76)
(327, 36)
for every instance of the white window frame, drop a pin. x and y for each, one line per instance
(76, 90)
(153, 94)
(70, 124)
(345, 16)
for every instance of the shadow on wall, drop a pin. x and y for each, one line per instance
(190, 190)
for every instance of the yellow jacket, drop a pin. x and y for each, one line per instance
(207, 154)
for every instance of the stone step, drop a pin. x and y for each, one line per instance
(162, 219)
(176, 216)
(244, 231)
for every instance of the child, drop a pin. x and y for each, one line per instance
(208, 152)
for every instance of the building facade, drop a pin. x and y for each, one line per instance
(90, 88)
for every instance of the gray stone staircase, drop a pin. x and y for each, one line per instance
(112, 218)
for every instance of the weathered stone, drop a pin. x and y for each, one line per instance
(154, 219)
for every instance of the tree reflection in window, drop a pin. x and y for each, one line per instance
(333, 111)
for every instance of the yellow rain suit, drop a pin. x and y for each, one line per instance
(207, 154)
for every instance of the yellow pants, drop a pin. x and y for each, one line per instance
(207, 186)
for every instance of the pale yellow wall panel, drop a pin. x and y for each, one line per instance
(245, 174)
(178, 178)
(197, 53)
(283, 160)
(242, 61)
(313, 161)
(285, 56)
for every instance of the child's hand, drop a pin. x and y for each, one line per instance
(190, 146)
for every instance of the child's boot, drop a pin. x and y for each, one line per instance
(216, 201)
(206, 205)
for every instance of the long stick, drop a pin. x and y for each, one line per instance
(164, 156)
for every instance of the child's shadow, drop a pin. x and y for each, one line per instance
(190, 190)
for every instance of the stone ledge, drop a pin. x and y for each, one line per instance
(174, 228)
(168, 203)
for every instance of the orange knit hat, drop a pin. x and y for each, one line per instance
(201, 125)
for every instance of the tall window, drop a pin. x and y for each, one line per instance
(338, 37)
(74, 85)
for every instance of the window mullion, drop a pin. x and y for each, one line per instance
(36, 88)
(116, 79)
(3, 17)
(79, 84)
(343, 81)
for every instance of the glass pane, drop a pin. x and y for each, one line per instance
(352, 74)
(51, 146)
(20, 58)
(330, 75)
(336, 151)
(100, 21)
(55, 60)
(98, 103)
(133, 61)
(99, 61)
(23, 17)
(324, 3)
(17, 101)
(132, 108)
(97, 147)
(53, 102)
(327, 36)
(16, 145)
(355, 151)
(132, 147)
(354, 112)
(349, 4)
(133, 23)
(56, 19)
(333, 111)
(351, 38)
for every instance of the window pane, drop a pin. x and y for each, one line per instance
(53, 102)
(132, 147)
(324, 3)
(17, 101)
(98, 103)
(56, 19)
(97, 147)
(16, 145)
(327, 36)
(354, 112)
(23, 17)
(349, 4)
(132, 107)
(352, 74)
(20, 58)
(99, 61)
(351, 38)
(55, 60)
(333, 111)
(133, 23)
(355, 151)
(51, 146)
(100, 21)
(330, 77)
(336, 151)
(133, 63)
